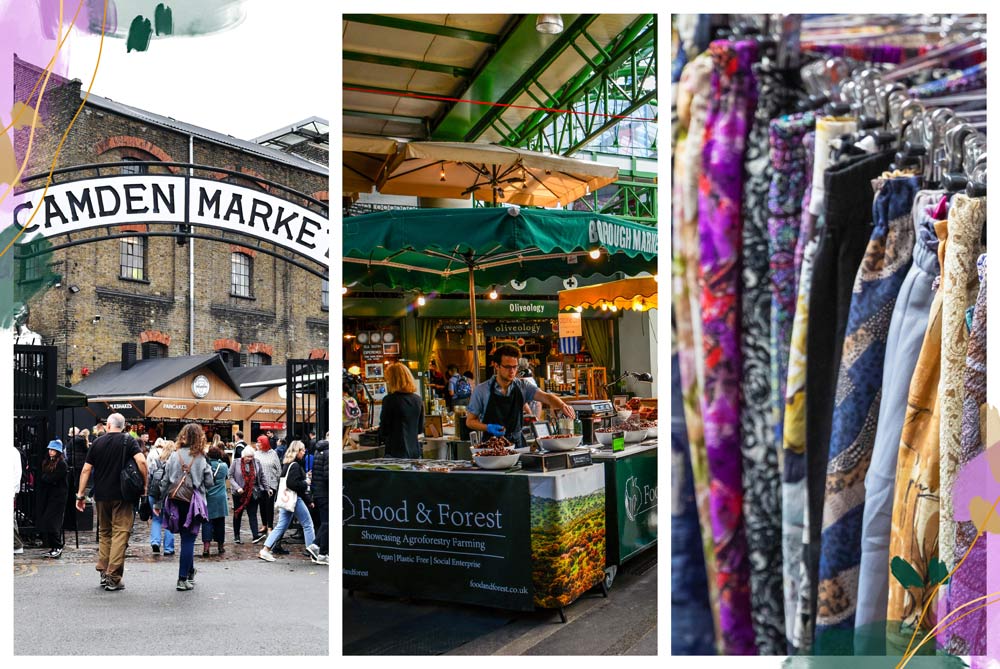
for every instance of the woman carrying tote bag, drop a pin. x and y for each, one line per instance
(293, 482)
(187, 479)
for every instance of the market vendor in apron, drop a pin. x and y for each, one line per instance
(497, 406)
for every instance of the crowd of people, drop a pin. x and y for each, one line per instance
(186, 485)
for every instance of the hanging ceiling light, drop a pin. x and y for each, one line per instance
(443, 178)
(493, 293)
(550, 24)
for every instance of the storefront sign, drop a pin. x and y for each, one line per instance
(616, 237)
(518, 329)
(570, 325)
(200, 386)
(446, 537)
(129, 409)
(163, 198)
(504, 309)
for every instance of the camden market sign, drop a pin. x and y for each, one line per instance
(163, 198)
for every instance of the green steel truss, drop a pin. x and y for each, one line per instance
(620, 80)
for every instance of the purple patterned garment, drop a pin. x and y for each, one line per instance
(968, 635)
(789, 181)
(732, 104)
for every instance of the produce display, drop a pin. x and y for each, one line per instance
(495, 446)
(634, 404)
(559, 436)
(608, 429)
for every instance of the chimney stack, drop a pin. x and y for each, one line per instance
(128, 355)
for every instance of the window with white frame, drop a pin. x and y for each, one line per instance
(242, 275)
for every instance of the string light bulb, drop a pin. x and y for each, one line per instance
(493, 293)
(421, 300)
(343, 290)
(604, 306)
(614, 308)
(595, 253)
(443, 177)
(579, 310)
(637, 304)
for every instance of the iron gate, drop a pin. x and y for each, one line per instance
(307, 398)
(34, 422)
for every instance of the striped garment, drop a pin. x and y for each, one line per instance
(855, 417)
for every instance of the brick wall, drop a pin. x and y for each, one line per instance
(285, 312)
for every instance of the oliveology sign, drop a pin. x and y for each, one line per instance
(162, 198)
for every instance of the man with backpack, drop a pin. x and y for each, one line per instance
(459, 388)
(240, 445)
(106, 459)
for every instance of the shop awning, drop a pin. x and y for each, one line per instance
(622, 294)
(492, 173)
(366, 161)
(67, 398)
(433, 250)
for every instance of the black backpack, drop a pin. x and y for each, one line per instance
(132, 484)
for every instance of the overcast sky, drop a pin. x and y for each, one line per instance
(270, 71)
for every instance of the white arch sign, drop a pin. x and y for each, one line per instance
(162, 198)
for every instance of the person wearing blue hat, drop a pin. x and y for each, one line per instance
(52, 494)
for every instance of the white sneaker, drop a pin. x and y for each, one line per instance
(313, 551)
(265, 555)
(322, 559)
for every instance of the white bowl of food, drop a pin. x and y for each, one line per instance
(634, 436)
(650, 426)
(495, 461)
(604, 438)
(624, 414)
(560, 442)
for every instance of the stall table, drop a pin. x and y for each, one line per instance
(631, 514)
(507, 539)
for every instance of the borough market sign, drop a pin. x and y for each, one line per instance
(163, 198)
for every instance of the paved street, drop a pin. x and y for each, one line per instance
(622, 624)
(82, 619)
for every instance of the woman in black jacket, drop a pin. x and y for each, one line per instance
(294, 473)
(402, 417)
(52, 494)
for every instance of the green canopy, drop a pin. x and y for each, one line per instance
(434, 250)
(453, 250)
(67, 398)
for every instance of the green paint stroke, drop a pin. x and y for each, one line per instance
(938, 572)
(187, 18)
(139, 34)
(904, 572)
(23, 280)
(164, 18)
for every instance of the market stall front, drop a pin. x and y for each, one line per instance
(443, 531)
(446, 251)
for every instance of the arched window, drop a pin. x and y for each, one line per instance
(258, 360)
(133, 258)
(154, 349)
(133, 169)
(242, 275)
(230, 357)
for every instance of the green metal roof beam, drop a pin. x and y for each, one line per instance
(375, 59)
(634, 41)
(487, 86)
(421, 27)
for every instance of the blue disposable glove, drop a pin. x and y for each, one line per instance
(495, 429)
